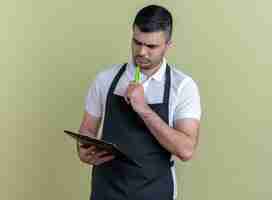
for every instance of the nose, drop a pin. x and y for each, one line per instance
(142, 51)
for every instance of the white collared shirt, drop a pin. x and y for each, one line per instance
(184, 97)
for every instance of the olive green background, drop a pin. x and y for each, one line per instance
(51, 50)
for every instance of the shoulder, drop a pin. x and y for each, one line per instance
(108, 72)
(180, 79)
(185, 94)
(104, 78)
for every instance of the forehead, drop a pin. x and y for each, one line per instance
(149, 38)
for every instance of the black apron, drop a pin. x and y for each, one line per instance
(119, 180)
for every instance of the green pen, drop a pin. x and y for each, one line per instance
(137, 75)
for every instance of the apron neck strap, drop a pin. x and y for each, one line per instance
(167, 83)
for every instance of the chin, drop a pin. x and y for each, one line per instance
(143, 66)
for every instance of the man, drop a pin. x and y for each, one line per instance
(151, 120)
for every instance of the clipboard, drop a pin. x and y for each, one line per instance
(103, 146)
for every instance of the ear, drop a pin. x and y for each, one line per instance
(169, 44)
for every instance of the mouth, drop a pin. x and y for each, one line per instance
(141, 60)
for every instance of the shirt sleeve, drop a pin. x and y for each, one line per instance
(93, 101)
(188, 105)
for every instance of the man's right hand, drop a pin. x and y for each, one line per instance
(90, 155)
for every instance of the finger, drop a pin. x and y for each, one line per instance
(91, 159)
(99, 155)
(126, 97)
(84, 146)
(87, 147)
(91, 150)
(102, 153)
(103, 159)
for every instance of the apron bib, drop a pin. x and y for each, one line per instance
(118, 180)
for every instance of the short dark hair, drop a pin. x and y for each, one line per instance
(154, 18)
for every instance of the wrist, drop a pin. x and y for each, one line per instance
(145, 111)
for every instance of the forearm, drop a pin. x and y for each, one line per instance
(89, 125)
(177, 142)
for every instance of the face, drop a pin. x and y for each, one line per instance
(148, 49)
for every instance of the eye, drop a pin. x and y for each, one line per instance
(151, 46)
(137, 42)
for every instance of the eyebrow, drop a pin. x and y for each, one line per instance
(148, 45)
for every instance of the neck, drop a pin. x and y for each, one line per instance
(150, 72)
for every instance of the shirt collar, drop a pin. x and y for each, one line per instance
(158, 76)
